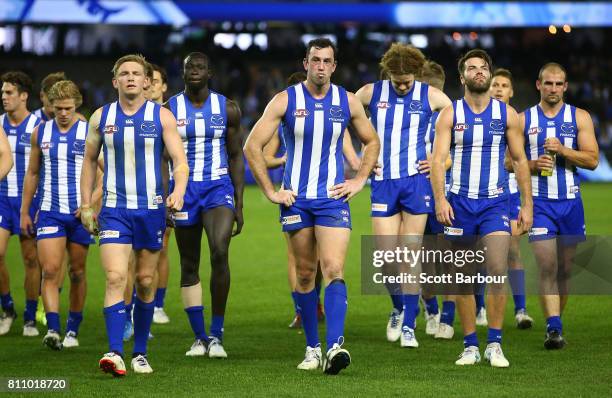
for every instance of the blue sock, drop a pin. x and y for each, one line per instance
(143, 317)
(30, 310)
(470, 340)
(517, 283)
(318, 289)
(411, 307)
(53, 321)
(479, 294)
(480, 302)
(395, 293)
(216, 326)
(160, 295)
(74, 321)
(335, 308)
(432, 305)
(294, 298)
(6, 301)
(196, 320)
(307, 305)
(114, 317)
(448, 313)
(494, 336)
(554, 323)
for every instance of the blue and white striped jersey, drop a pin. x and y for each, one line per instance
(62, 160)
(203, 131)
(478, 146)
(313, 131)
(19, 140)
(564, 182)
(41, 115)
(401, 123)
(133, 149)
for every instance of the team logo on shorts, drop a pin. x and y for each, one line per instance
(416, 105)
(383, 105)
(538, 231)
(344, 212)
(181, 216)
(461, 127)
(147, 126)
(534, 130)
(229, 199)
(108, 234)
(301, 113)
(288, 220)
(47, 230)
(111, 129)
(452, 231)
(182, 122)
(216, 120)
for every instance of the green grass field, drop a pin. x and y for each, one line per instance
(263, 352)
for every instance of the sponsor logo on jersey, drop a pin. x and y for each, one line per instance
(148, 127)
(568, 128)
(550, 123)
(108, 234)
(295, 219)
(157, 200)
(379, 207)
(25, 139)
(301, 113)
(336, 111)
(497, 125)
(217, 120)
(181, 216)
(534, 130)
(478, 120)
(12, 131)
(182, 122)
(383, 105)
(400, 100)
(129, 121)
(574, 189)
(453, 231)
(461, 127)
(538, 231)
(45, 146)
(199, 115)
(318, 105)
(222, 171)
(78, 146)
(496, 191)
(47, 230)
(111, 129)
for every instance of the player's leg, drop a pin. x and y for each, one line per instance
(189, 240)
(386, 230)
(567, 254)
(129, 295)
(466, 309)
(296, 323)
(332, 245)
(218, 223)
(412, 229)
(78, 290)
(516, 274)
(8, 307)
(51, 254)
(319, 288)
(163, 270)
(32, 279)
(446, 329)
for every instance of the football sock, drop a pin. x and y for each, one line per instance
(30, 310)
(74, 321)
(335, 308)
(554, 323)
(53, 321)
(432, 305)
(160, 295)
(517, 283)
(114, 317)
(470, 340)
(411, 305)
(196, 320)
(143, 317)
(216, 326)
(307, 306)
(448, 313)
(494, 336)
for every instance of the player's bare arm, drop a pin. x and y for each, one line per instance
(236, 162)
(587, 155)
(260, 135)
(30, 182)
(174, 146)
(441, 149)
(269, 153)
(364, 94)
(349, 151)
(93, 144)
(516, 148)
(6, 158)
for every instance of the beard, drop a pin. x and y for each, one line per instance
(552, 99)
(478, 88)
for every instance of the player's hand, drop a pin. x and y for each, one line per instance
(89, 219)
(283, 197)
(239, 220)
(377, 170)
(424, 167)
(284, 158)
(26, 225)
(444, 212)
(544, 163)
(174, 201)
(170, 223)
(525, 219)
(347, 189)
(553, 144)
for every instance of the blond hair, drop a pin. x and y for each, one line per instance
(402, 59)
(138, 58)
(65, 89)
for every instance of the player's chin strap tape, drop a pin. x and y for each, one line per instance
(182, 168)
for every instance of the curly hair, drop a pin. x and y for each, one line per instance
(402, 59)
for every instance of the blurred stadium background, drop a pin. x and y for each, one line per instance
(253, 48)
